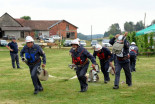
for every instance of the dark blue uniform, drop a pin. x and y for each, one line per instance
(14, 54)
(122, 62)
(82, 68)
(104, 57)
(133, 55)
(33, 57)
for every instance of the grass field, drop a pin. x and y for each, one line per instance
(16, 85)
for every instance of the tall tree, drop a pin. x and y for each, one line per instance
(26, 17)
(129, 26)
(114, 29)
(153, 22)
(139, 26)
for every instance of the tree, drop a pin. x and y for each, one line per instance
(26, 17)
(129, 26)
(114, 29)
(151, 41)
(106, 34)
(111, 36)
(153, 22)
(139, 26)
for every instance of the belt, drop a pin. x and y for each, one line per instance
(122, 58)
(35, 62)
(83, 63)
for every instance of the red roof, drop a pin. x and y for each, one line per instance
(37, 24)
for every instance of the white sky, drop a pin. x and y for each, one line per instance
(83, 13)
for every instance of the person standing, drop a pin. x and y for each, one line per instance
(133, 56)
(104, 55)
(32, 54)
(80, 59)
(121, 50)
(13, 47)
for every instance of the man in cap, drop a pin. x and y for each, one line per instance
(104, 55)
(32, 53)
(13, 47)
(121, 50)
(80, 58)
(133, 55)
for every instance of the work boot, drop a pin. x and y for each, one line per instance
(85, 89)
(36, 92)
(41, 89)
(129, 85)
(116, 87)
(105, 82)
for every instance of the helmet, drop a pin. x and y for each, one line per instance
(98, 47)
(29, 39)
(133, 43)
(75, 41)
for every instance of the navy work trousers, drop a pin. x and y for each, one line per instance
(81, 72)
(34, 77)
(15, 58)
(127, 71)
(104, 69)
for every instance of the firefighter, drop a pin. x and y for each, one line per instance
(80, 58)
(133, 56)
(32, 53)
(13, 47)
(121, 50)
(104, 55)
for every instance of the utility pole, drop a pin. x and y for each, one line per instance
(91, 32)
(144, 19)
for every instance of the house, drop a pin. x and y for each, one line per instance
(21, 28)
(9, 26)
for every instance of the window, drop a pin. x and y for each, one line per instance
(67, 27)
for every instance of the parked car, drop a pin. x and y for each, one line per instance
(3, 43)
(83, 43)
(5, 37)
(67, 43)
(55, 37)
(49, 40)
(105, 43)
(94, 42)
(42, 37)
(10, 37)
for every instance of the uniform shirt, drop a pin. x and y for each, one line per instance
(33, 54)
(14, 47)
(85, 54)
(134, 47)
(125, 49)
(106, 52)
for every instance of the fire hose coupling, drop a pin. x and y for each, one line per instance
(97, 68)
(72, 66)
(39, 69)
(24, 59)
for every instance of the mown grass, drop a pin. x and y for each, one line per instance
(16, 85)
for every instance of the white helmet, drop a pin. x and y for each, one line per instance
(98, 47)
(29, 39)
(75, 41)
(133, 43)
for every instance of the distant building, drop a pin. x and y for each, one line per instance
(21, 28)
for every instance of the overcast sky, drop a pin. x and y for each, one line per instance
(83, 13)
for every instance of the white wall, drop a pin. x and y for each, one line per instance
(44, 33)
(13, 33)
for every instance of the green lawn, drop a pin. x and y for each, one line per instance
(16, 85)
